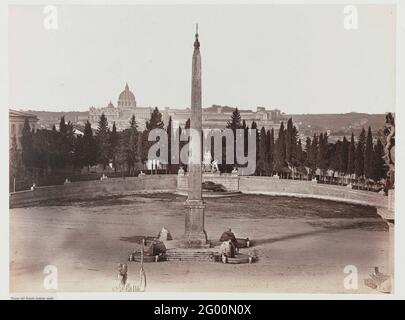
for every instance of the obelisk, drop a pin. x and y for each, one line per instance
(195, 235)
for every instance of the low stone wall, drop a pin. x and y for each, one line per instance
(309, 189)
(170, 183)
(230, 182)
(94, 189)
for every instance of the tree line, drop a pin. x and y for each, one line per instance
(47, 152)
(287, 156)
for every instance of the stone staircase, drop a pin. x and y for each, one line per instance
(191, 254)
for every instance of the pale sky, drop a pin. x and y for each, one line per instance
(298, 58)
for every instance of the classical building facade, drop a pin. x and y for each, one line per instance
(16, 124)
(213, 117)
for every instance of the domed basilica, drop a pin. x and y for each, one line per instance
(126, 99)
(121, 115)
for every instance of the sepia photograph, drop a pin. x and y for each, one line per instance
(202, 148)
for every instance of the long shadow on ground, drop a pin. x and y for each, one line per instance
(375, 226)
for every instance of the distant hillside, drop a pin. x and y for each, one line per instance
(338, 124)
(48, 118)
(47, 115)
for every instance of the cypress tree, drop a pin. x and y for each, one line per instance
(78, 153)
(65, 143)
(54, 152)
(351, 156)
(322, 159)
(289, 142)
(307, 161)
(245, 137)
(236, 121)
(27, 146)
(320, 150)
(272, 146)
(262, 161)
(132, 124)
(368, 156)
(114, 145)
(62, 126)
(15, 162)
(270, 150)
(254, 127)
(280, 148)
(89, 146)
(169, 131)
(359, 157)
(43, 142)
(131, 145)
(102, 136)
(296, 149)
(143, 145)
(344, 154)
(335, 156)
(155, 121)
(379, 169)
(299, 154)
(313, 155)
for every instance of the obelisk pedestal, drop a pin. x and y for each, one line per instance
(195, 235)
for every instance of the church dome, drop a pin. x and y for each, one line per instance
(126, 98)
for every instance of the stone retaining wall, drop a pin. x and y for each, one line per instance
(169, 183)
(309, 189)
(94, 189)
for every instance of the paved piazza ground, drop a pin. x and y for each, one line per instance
(303, 244)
